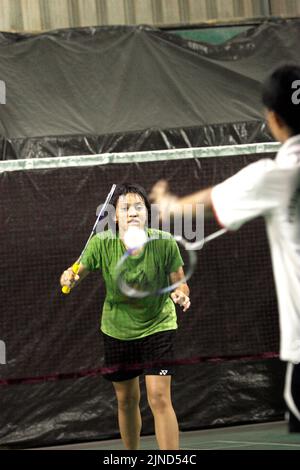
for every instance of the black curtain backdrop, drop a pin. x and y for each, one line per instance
(54, 347)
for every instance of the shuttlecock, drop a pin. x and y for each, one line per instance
(135, 238)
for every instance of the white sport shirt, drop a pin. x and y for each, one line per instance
(271, 188)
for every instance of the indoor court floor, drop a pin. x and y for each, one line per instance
(264, 436)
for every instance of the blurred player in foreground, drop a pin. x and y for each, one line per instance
(268, 188)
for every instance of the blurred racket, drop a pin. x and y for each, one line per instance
(141, 285)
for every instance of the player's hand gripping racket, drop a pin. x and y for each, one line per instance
(76, 265)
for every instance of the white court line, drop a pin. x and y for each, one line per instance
(214, 448)
(260, 443)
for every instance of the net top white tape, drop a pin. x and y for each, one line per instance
(138, 157)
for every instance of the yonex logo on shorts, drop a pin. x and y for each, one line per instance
(2, 352)
(2, 92)
(163, 372)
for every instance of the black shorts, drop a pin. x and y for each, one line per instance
(152, 355)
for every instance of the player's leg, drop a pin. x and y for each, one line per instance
(158, 353)
(159, 398)
(292, 395)
(129, 415)
(119, 356)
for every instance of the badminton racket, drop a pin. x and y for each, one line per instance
(133, 287)
(76, 265)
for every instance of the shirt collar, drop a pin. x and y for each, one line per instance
(288, 145)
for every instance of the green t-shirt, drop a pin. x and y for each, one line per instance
(129, 318)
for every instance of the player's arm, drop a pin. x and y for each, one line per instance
(169, 203)
(199, 197)
(253, 191)
(181, 294)
(71, 279)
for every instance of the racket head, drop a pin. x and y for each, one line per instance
(138, 291)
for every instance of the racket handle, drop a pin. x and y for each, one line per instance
(75, 269)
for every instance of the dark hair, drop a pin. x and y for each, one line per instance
(278, 92)
(123, 189)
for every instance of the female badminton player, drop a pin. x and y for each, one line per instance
(138, 333)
